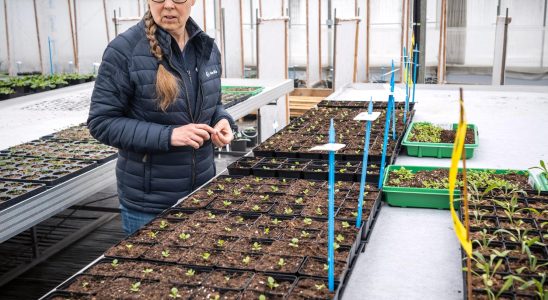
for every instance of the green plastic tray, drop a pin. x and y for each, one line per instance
(225, 90)
(439, 150)
(422, 197)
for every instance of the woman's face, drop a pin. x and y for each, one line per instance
(171, 16)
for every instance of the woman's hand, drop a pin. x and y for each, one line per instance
(193, 135)
(224, 133)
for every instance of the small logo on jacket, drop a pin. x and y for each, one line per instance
(209, 73)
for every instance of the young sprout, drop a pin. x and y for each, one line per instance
(228, 229)
(174, 293)
(196, 200)
(264, 197)
(271, 283)
(165, 253)
(239, 219)
(354, 214)
(190, 272)
(135, 287)
(306, 191)
(114, 263)
(274, 188)
(336, 245)
(319, 211)
(246, 260)
(345, 224)
(305, 234)
(210, 215)
(179, 214)
(228, 179)
(152, 234)
(85, 285)
(209, 192)
(147, 270)
(256, 246)
(307, 221)
(339, 238)
(255, 207)
(220, 243)
(236, 192)
(129, 246)
(281, 262)
(184, 236)
(288, 211)
(221, 187)
(275, 221)
(294, 243)
(262, 297)
(320, 287)
(206, 255)
(227, 278)
(214, 297)
(164, 224)
(325, 267)
(299, 200)
(266, 231)
(227, 203)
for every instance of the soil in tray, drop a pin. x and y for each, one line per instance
(253, 295)
(446, 136)
(317, 267)
(279, 264)
(308, 288)
(87, 284)
(281, 286)
(127, 250)
(10, 190)
(439, 177)
(212, 293)
(198, 257)
(124, 288)
(237, 260)
(229, 279)
(163, 253)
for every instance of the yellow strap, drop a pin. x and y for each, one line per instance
(460, 230)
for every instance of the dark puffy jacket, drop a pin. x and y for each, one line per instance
(152, 175)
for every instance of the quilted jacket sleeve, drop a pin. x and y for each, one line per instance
(220, 111)
(108, 121)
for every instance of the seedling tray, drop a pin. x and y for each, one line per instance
(47, 171)
(90, 151)
(12, 192)
(247, 90)
(439, 150)
(539, 182)
(422, 197)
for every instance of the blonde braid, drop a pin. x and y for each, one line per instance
(167, 85)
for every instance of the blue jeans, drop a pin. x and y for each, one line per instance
(132, 220)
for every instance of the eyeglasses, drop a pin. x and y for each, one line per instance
(174, 1)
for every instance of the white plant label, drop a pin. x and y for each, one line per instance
(328, 147)
(364, 116)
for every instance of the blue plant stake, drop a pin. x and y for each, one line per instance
(392, 84)
(364, 165)
(50, 57)
(415, 56)
(385, 141)
(406, 62)
(331, 213)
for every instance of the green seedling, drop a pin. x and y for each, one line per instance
(220, 243)
(152, 234)
(246, 260)
(227, 203)
(114, 263)
(307, 221)
(135, 287)
(190, 272)
(281, 262)
(299, 200)
(345, 224)
(266, 231)
(305, 234)
(256, 246)
(174, 293)
(165, 253)
(275, 221)
(147, 270)
(294, 243)
(211, 215)
(129, 246)
(184, 236)
(206, 255)
(288, 211)
(271, 283)
(319, 287)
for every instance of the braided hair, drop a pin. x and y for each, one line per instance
(167, 85)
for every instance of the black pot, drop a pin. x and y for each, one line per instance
(239, 145)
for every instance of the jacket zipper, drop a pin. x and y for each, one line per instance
(193, 178)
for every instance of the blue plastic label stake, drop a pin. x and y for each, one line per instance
(415, 56)
(364, 165)
(406, 63)
(331, 213)
(50, 57)
(385, 141)
(392, 84)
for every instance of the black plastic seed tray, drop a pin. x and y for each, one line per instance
(12, 192)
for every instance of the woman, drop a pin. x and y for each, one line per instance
(157, 98)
